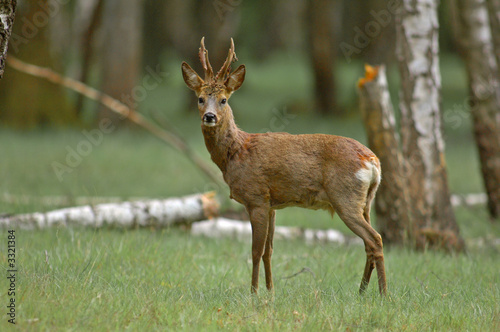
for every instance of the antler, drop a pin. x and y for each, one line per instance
(226, 67)
(203, 54)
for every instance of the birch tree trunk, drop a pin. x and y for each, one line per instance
(7, 14)
(392, 199)
(157, 213)
(433, 220)
(476, 41)
(494, 17)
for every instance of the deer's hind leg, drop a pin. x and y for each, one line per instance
(353, 207)
(373, 248)
(377, 261)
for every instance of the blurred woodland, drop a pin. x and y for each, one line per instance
(109, 44)
(115, 45)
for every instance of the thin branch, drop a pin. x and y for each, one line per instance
(304, 269)
(117, 107)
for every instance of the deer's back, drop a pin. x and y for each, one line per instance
(290, 169)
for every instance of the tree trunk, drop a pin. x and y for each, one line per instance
(484, 88)
(281, 27)
(322, 53)
(86, 46)
(392, 200)
(151, 213)
(121, 54)
(218, 21)
(7, 14)
(433, 220)
(179, 22)
(494, 18)
(25, 101)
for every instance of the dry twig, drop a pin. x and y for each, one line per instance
(304, 269)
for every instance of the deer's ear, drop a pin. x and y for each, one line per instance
(235, 80)
(193, 81)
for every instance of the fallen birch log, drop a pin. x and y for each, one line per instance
(154, 212)
(456, 199)
(242, 230)
(469, 199)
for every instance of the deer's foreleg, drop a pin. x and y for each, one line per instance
(269, 251)
(259, 218)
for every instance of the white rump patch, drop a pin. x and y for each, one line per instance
(365, 174)
(369, 174)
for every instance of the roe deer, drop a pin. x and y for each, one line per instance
(271, 171)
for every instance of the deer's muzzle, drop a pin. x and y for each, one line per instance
(209, 119)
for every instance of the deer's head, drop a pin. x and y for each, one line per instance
(213, 92)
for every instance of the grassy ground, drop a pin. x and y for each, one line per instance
(142, 279)
(109, 279)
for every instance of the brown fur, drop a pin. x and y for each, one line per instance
(272, 171)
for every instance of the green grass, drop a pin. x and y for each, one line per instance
(144, 279)
(110, 279)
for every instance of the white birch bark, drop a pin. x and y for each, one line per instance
(7, 13)
(494, 18)
(155, 212)
(421, 129)
(242, 230)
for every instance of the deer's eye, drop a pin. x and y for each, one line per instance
(201, 100)
(223, 101)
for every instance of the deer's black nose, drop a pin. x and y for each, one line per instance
(209, 119)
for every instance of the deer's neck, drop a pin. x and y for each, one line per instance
(223, 141)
